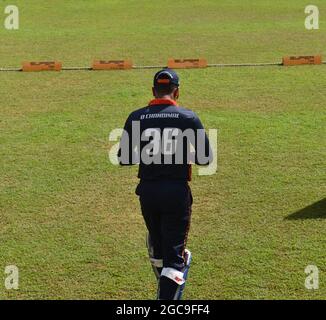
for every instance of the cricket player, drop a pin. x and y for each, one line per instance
(165, 139)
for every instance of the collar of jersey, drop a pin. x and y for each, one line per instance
(156, 102)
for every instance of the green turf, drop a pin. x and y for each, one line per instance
(70, 220)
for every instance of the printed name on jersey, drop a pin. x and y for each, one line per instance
(160, 116)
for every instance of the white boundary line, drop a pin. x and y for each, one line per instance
(213, 65)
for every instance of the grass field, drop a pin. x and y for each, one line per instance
(70, 220)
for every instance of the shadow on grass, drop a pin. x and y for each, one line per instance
(316, 210)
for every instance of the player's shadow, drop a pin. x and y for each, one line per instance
(316, 210)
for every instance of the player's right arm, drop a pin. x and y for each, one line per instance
(203, 150)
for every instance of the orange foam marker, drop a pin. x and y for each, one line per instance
(301, 60)
(112, 64)
(42, 66)
(187, 63)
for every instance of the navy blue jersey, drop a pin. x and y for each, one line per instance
(164, 139)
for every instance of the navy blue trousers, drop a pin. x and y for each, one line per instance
(166, 208)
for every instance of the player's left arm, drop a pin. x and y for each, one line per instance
(127, 155)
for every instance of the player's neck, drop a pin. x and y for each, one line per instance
(166, 97)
